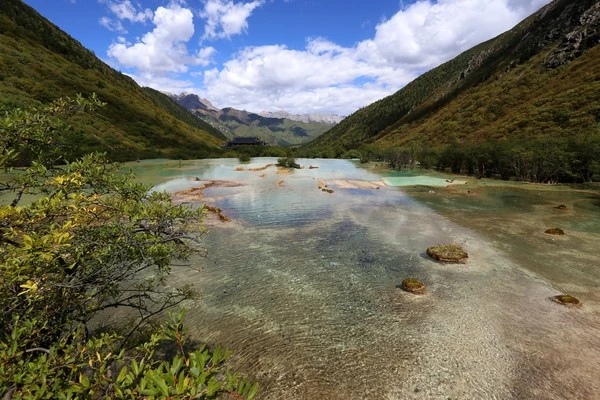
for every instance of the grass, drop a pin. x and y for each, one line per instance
(448, 253)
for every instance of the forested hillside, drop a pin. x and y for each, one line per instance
(525, 104)
(40, 63)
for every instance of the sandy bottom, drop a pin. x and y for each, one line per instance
(314, 311)
(354, 184)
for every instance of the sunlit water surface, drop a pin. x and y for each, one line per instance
(302, 287)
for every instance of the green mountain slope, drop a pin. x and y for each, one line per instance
(277, 131)
(182, 113)
(541, 78)
(39, 63)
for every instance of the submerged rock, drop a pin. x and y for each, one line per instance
(448, 253)
(561, 207)
(218, 211)
(554, 231)
(566, 300)
(413, 286)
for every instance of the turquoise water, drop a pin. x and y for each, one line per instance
(416, 180)
(302, 287)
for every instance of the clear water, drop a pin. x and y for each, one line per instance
(416, 180)
(302, 287)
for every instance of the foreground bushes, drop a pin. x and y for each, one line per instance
(75, 367)
(91, 240)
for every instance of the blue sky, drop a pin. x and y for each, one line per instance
(302, 56)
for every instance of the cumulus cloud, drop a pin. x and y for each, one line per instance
(226, 18)
(164, 83)
(124, 10)
(323, 76)
(427, 33)
(164, 49)
(112, 25)
(326, 77)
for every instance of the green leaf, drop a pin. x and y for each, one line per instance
(252, 392)
(122, 374)
(85, 382)
(161, 385)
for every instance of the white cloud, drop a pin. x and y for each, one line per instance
(124, 10)
(427, 33)
(323, 76)
(164, 49)
(226, 18)
(112, 25)
(326, 77)
(163, 83)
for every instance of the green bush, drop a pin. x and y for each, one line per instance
(244, 157)
(93, 239)
(287, 162)
(74, 367)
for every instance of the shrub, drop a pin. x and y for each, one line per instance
(287, 162)
(75, 367)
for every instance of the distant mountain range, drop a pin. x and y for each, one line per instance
(40, 63)
(330, 119)
(278, 128)
(539, 80)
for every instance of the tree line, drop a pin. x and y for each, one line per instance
(536, 159)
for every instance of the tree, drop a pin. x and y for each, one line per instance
(454, 157)
(92, 238)
(398, 157)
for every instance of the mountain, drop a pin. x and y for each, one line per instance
(330, 119)
(192, 102)
(280, 131)
(181, 113)
(40, 63)
(536, 84)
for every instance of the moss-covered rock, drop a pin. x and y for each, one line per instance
(554, 231)
(413, 286)
(219, 212)
(448, 253)
(566, 300)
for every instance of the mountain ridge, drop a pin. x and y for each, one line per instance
(232, 123)
(555, 36)
(331, 119)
